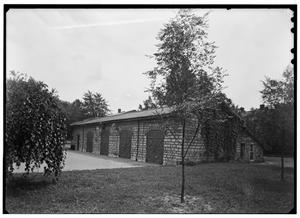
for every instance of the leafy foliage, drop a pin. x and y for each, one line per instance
(185, 77)
(274, 125)
(94, 105)
(35, 126)
(277, 92)
(220, 135)
(184, 60)
(148, 104)
(72, 112)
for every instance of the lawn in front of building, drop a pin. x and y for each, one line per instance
(210, 188)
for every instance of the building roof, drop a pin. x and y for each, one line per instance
(125, 116)
(129, 115)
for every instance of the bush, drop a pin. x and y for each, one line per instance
(35, 129)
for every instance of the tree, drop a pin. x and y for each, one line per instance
(76, 111)
(73, 112)
(185, 77)
(94, 105)
(35, 126)
(276, 124)
(278, 92)
(148, 104)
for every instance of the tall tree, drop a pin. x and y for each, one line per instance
(185, 77)
(94, 105)
(35, 126)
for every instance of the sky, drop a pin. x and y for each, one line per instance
(105, 50)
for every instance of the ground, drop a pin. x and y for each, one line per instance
(210, 188)
(88, 161)
(288, 161)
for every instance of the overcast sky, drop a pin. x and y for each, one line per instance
(104, 50)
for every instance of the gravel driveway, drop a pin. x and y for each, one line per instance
(87, 161)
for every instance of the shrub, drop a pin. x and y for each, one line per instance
(35, 129)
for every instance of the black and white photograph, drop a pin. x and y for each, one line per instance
(149, 109)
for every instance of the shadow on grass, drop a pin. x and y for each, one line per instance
(19, 185)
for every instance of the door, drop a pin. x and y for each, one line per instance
(78, 142)
(89, 141)
(125, 144)
(242, 150)
(155, 147)
(251, 153)
(104, 142)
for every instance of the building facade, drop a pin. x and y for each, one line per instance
(153, 136)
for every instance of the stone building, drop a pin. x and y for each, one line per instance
(154, 136)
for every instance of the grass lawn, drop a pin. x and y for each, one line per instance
(211, 188)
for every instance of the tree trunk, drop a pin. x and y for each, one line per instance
(182, 163)
(282, 158)
(282, 168)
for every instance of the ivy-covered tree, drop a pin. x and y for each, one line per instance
(94, 105)
(185, 77)
(35, 126)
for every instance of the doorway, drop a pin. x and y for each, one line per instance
(125, 144)
(104, 142)
(89, 141)
(242, 150)
(155, 147)
(78, 142)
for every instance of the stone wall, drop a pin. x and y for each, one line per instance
(173, 139)
(139, 131)
(248, 141)
(82, 132)
(77, 131)
(172, 132)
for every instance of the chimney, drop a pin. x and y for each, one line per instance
(119, 110)
(262, 106)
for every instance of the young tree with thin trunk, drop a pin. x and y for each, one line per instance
(185, 77)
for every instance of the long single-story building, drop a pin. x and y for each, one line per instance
(154, 136)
